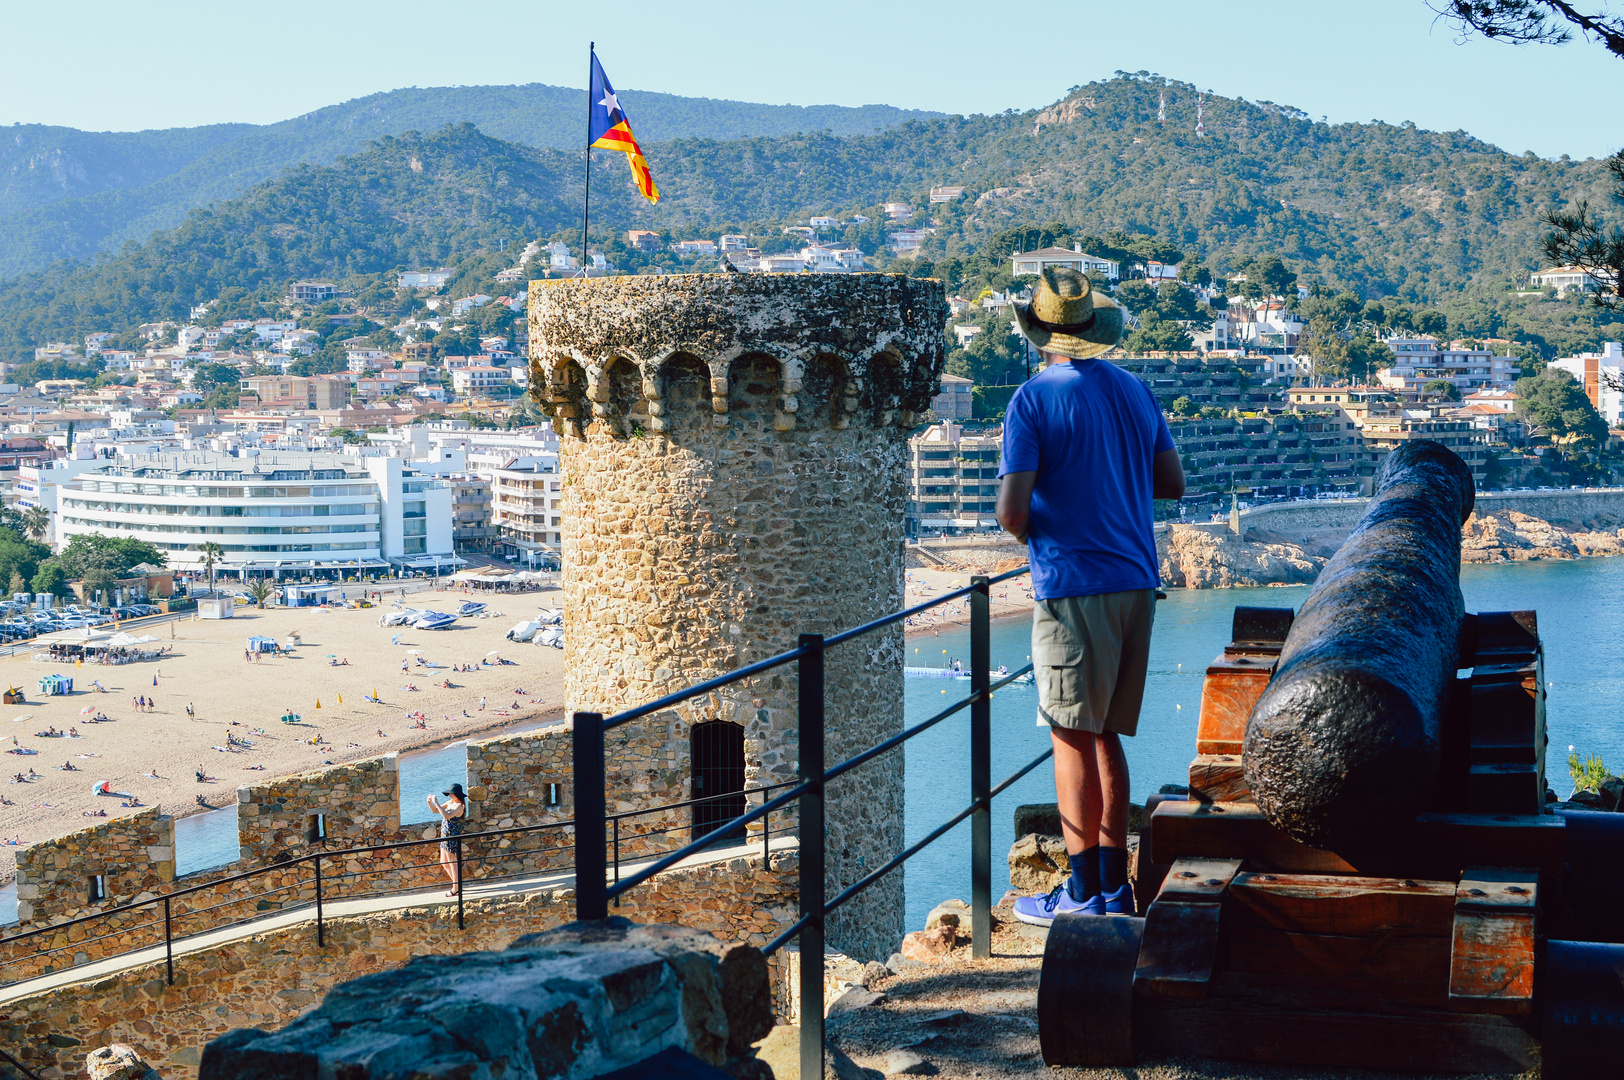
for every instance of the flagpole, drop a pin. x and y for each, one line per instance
(586, 202)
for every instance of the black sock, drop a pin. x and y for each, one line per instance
(1113, 868)
(1085, 875)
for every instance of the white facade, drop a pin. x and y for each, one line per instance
(1034, 262)
(1420, 360)
(268, 511)
(1567, 279)
(425, 279)
(1602, 376)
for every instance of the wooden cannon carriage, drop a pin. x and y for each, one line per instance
(1479, 934)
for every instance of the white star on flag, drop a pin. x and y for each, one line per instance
(611, 104)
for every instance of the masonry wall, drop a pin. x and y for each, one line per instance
(268, 980)
(733, 448)
(360, 802)
(134, 854)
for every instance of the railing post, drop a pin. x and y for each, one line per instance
(169, 944)
(460, 925)
(617, 855)
(591, 897)
(321, 933)
(980, 769)
(810, 724)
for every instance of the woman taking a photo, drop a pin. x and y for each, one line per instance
(452, 815)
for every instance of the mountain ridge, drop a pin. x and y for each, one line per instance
(60, 197)
(1384, 210)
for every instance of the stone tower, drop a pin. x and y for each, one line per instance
(732, 454)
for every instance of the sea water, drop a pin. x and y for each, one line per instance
(1581, 621)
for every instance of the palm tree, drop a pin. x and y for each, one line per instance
(37, 523)
(260, 591)
(212, 553)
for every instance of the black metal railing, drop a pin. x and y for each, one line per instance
(593, 891)
(318, 886)
(24, 1070)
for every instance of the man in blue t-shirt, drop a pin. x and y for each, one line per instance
(1085, 452)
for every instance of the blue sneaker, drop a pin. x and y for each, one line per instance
(1041, 910)
(1116, 903)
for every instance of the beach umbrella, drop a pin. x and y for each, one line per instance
(155, 680)
(318, 703)
(87, 709)
(341, 699)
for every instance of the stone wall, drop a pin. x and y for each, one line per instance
(360, 802)
(268, 980)
(733, 447)
(134, 856)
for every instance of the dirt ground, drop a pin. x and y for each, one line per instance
(237, 700)
(973, 1020)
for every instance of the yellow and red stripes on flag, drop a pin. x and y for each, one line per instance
(620, 138)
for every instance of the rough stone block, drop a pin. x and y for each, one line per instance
(572, 1003)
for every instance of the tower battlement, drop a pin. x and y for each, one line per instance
(657, 354)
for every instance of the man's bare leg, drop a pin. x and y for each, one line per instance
(1076, 787)
(1111, 767)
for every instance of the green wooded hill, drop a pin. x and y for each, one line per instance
(1434, 218)
(66, 193)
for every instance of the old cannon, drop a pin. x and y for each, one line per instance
(1368, 869)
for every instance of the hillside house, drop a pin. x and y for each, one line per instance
(644, 239)
(425, 279)
(1032, 263)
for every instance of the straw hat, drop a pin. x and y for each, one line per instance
(1069, 317)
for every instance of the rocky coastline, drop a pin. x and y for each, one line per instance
(1210, 556)
(1213, 558)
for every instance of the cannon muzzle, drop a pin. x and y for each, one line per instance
(1345, 743)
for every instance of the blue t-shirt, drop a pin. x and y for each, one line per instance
(1089, 430)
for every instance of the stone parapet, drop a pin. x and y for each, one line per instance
(124, 859)
(357, 802)
(268, 980)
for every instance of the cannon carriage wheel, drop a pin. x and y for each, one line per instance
(1085, 990)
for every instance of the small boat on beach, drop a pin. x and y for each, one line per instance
(433, 620)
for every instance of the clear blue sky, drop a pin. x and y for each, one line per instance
(166, 63)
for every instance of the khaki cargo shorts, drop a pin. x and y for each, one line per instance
(1089, 655)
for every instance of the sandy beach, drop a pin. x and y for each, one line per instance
(237, 700)
(1013, 597)
(236, 735)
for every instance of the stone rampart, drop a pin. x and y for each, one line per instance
(733, 447)
(268, 980)
(356, 802)
(127, 858)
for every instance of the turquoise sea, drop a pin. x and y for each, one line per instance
(1581, 609)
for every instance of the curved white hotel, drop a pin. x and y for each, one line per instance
(271, 511)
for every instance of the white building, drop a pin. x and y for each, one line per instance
(735, 243)
(559, 257)
(1034, 262)
(268, 510)
(1602, 376)
(1420, 360)
(479, 377)
(527, 507)
(695, 247)
(468, 303)
(425, 279)
(1566, 279)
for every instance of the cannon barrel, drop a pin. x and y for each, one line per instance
(1344, 745)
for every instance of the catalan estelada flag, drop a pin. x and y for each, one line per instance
(609, 129)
